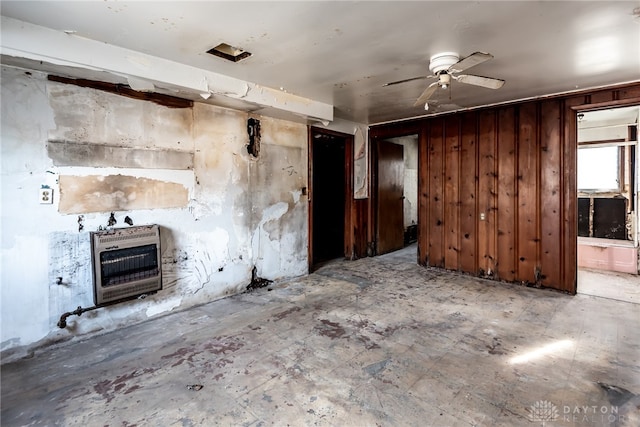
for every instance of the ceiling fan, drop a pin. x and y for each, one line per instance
(445, 67)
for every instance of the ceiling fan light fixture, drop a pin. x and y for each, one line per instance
(446, 66)
(445, 80)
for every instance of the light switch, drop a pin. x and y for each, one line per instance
(46, 196)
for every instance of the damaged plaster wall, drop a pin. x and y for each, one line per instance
(84, 194)
(221, 212)
(360, 134)
(279, 215)
(361, 163)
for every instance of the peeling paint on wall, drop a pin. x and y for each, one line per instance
(360, 164)
(70, 260)
(97, 193)
(278, 214)
(269, 218)
(232, 201)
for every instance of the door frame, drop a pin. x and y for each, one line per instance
(573, 128)
(349, 220)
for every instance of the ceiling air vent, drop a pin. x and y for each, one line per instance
(228, 52)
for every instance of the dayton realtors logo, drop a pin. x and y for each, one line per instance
(542, 411)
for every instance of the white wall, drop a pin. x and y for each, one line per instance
(411, 182)
(221, 211)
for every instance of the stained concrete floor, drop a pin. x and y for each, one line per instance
(609, 284)
(374, 342)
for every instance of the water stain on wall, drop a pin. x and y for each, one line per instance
(99, 155)
(84, 115)
(96, 193)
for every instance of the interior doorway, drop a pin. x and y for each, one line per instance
(608, 218)
(331, 189)
(395, 185)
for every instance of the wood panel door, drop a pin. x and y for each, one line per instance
(390, 197)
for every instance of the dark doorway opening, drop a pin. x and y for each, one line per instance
(329, 192)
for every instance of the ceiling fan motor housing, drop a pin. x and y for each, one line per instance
(442, 61)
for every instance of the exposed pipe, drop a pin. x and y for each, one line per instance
(62, 323)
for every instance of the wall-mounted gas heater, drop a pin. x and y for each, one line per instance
(126, 263)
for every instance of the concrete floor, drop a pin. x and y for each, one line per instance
(374, 342)
(609, 284)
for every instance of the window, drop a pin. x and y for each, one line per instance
(599, 169)
(607, 173)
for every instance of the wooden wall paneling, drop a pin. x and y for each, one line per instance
(371, 201)
(349, 209)
(512, 156)
(550, 193)
(507, 194)
(629, 92)
(436, 194)
(423, 195)
(600, 96)
(451, 193)
(361, 224)
(487, 192)
(468, 193)
(569, 206)
(527, 194)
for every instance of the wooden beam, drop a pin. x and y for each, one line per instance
(124, 90)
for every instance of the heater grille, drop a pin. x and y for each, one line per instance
(120, 238)
(126, 263)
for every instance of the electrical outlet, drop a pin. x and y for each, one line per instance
(46, 196)
(482, 216)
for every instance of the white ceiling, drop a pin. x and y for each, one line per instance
(341, 53)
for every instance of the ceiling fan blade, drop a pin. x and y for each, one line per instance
(487, 82)
(406, 80)
(428, 92)
(470, 61)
